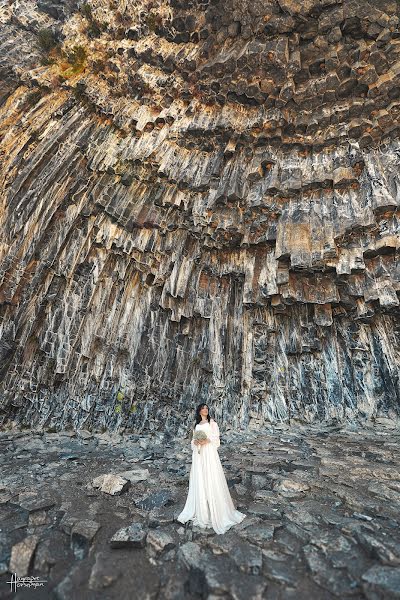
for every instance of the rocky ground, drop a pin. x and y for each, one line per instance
(322, 506)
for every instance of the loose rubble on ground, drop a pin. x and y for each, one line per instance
(94, 516)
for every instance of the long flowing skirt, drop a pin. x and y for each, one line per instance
(209, 503)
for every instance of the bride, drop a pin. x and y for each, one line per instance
(209, 503)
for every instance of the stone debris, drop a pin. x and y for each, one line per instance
(291, 489)
(111, 484)
(104, 572)
(157, 499)
(135, 475)
(247, 557)
(381, 582)
(33, 504)
(133, 536)
(22, 556)
(82, 534)
(315, 544)
(159, 541)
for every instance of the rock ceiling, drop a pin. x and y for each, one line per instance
(200, 202)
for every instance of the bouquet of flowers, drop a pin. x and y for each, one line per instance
(199, 435)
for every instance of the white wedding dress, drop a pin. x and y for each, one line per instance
(209, 503)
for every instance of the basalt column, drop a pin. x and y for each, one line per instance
(199, 202)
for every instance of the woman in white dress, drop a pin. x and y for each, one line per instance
(209, 503)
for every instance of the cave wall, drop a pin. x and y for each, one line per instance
(199, 202)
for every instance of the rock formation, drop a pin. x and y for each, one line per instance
(200, 202)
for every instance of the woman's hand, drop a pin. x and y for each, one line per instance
(201, 442)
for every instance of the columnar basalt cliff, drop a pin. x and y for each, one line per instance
(200, 202)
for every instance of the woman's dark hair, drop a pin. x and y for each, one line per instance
(198, 415)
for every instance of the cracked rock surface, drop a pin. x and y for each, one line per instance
(337, 537)
(199, 202)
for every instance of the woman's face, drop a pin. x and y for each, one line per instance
(204, 412)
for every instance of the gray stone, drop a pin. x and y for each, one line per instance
(22, 556)
(133, 536)
(217, 573)
(259, 534)
(244, 588)
(163, 497)
(259, 482)
(135, 475)
(290, 488)
(67, 522)
(37, 518)
(51, 551)
(104, 572)
(240, 489)
(162, 516)
(386, 549)
(264, 511)
(159, 541)
(246, 556)
(381, 583)
(72, 584)
(36, 504)
(190, 555)
(82, 535)
(281, 569)
(111, 484)
(335, 580)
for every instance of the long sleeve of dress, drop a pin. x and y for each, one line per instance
(192, 444)
(214, 434)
